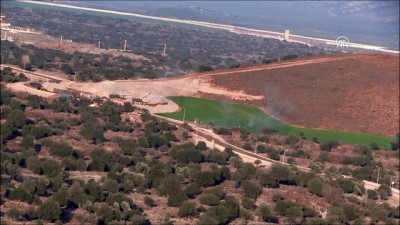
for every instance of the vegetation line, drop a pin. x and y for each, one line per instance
(255, 120)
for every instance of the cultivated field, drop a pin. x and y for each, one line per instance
(236, 115)
(357, 93)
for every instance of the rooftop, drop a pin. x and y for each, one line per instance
(4, 21)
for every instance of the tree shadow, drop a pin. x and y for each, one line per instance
(67, 212)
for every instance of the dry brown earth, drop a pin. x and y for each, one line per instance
(353, 92)
(346, 92)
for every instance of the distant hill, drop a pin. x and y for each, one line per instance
(368, 22)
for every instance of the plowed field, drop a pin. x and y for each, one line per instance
(352, 93)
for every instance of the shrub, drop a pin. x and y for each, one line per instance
(277, 197)
(233, 206)
(346, 185)
(246, 215)
(248, 203)
(41, 131)
(50, 168)
(204, 68)
(149, 201)
(328, 146)
(13, 213)
(219, 213)
(396, 212)
(187, 155)
(207, 220)
(384, 191)
(143, 142)
(217, 191)
(273, 153)
(201, 145)
(92, 132)
(187, 209)
(372, 194)
(49, 210)
(185, 135)
(20, 195)
(250, 189)
(27, 142)
(192, 190)
(269, 130)
(209, 199)
(315, 139)
(315, 186)
(61, 149)
(247, 146)
(217, 156)
(177, 199)
(156, 141)
(323, 157)
(264, 212)
(204, 178)
(127, 107)
(350, 212)
(169, 185)
(362, 173)
(374, 146)
(279, 172)
(291, 140)
(222, 131)
(261, 149)
(16, 118)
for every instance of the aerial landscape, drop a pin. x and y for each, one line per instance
(200, 112)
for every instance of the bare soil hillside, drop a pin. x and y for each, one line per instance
(353, 92)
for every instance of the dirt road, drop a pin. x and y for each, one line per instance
(21, 87)
(31, 74)
(393, 200)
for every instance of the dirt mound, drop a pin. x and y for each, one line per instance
(352, 92)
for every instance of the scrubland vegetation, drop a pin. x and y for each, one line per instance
(65, 162)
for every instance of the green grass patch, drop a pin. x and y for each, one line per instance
(233, 115)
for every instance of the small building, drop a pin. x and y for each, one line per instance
(4, 23)
(286, 35)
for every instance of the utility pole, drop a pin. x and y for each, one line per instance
(255, 149)
(184, 114)
(195, 122)
(377, 178)
(165, 49)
